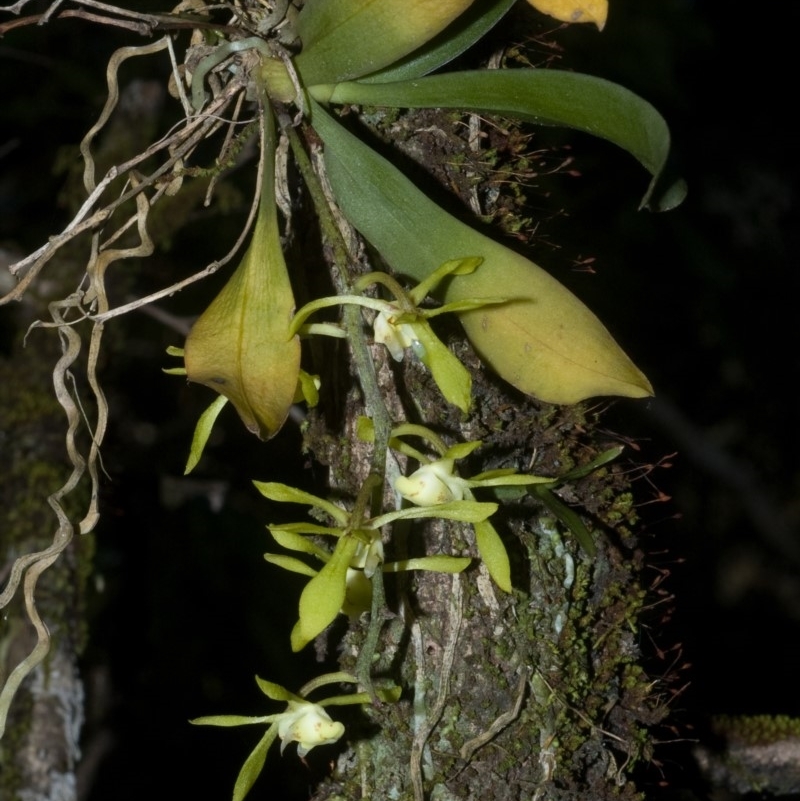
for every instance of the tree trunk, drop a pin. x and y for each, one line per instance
(538, 694)
(39, 750)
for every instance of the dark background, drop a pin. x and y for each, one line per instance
(702, 298)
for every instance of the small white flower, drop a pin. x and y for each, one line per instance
(308, 725)
(432, 484)
(396, 337)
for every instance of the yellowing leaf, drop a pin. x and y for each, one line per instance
(344, 39)
(595, 11)
(240, 345)
(545, 341)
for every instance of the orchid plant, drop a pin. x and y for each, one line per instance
(303, 68)
(303, 722)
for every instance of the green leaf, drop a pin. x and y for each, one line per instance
(542, 96)
(345, 39)
(545, 342)
(471, 26)
(567, 516)
(254, 764)
(323, 596)
(202, 432)
(584, 470)
(240, 345)
(494, 554)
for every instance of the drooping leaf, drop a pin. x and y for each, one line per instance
(344, 39)
(595, 11)
(240, 345)
(493, 554)
(545, 341)
(323, 596)
(544, 97)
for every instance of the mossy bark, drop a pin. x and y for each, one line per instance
(536, 694)
(39, 750)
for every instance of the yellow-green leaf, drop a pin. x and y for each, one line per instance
(595, 11)
(344, 39)
(545, 342)
(240, 346)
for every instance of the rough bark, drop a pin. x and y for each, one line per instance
(539, 694)
(39, 750)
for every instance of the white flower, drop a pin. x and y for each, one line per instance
(308, 725)
(432, 484)
(396, 337)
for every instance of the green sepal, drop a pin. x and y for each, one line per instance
(493, 554)
(202, 432)
(231, 720)
(276, 692)
(283, 493)
(439, 563)
(254, 764)
(323, 596)
(452, 378)
(290, 563)
(463, 511)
